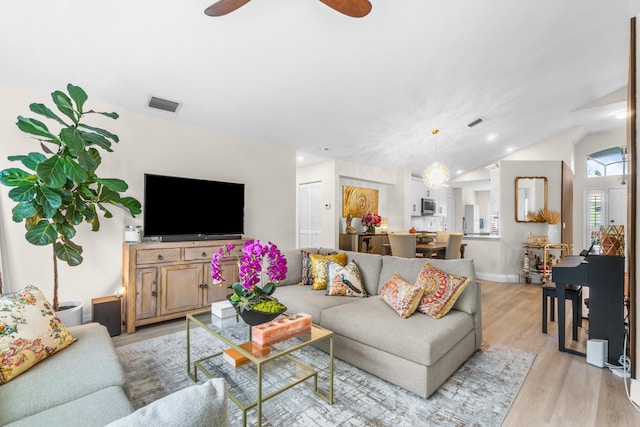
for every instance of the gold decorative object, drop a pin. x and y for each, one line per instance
(350, 228)
(358, 201)
(612, 240)
(550, 217)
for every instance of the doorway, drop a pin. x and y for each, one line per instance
(604, 207)
(309, 215)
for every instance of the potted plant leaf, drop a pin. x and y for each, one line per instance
(58, 188)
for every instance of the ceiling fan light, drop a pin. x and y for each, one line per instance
(436, 176)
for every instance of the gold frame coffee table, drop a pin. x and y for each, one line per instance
(267, 370)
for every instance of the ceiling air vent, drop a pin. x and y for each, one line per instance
(475, 123)
(163, 104)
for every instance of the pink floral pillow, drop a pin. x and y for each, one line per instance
(441, 290)
(401, 295)
(29, 332)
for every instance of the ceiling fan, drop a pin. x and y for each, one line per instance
(353, 8)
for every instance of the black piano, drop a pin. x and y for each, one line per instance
(604, 275)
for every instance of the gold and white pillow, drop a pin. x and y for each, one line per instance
(319, 264)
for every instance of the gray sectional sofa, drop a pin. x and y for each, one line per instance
(84, 385)
(80, 385)
(418, 353)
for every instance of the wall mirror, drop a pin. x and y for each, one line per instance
(531, 196)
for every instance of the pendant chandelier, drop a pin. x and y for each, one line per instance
(436, 175)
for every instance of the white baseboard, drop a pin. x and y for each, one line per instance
(498, 277)
(634, 392)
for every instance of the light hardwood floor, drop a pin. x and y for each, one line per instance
(560, 390)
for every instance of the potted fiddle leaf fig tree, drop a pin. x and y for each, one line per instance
(58, 189)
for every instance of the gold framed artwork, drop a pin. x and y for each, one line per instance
(358, 201)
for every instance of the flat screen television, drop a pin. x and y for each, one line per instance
(178, 208)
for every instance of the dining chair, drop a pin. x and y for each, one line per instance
(403, 245)
(454, 241)
(442, 236)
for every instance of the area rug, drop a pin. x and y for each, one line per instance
(479, 393)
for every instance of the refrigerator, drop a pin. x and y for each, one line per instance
(471, 219)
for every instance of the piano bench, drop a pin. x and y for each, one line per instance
(572, 293)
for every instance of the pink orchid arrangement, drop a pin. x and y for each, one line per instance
(371, 219)
(259, 264)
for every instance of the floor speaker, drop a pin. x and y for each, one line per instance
(108, 312)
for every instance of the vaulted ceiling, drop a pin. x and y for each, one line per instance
(371, 89)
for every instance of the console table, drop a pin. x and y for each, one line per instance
(167, 280)
(370, 243)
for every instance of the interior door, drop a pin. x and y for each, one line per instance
(310, 215)
(617, 208)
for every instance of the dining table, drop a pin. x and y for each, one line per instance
(436, 249)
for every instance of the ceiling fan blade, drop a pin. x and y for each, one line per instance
(353, 8)
(222, 7)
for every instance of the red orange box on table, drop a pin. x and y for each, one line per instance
(280, 329)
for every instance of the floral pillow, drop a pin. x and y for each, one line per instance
(345, 280)
(441, 290)
(29, 332)
(401, 295)
(319, 264)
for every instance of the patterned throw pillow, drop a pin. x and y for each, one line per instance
(29, 332)
(307, 276)
(345, 280)
(441, 290)
(401, 295)
(319, 264)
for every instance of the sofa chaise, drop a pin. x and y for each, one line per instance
(84, 385)
(417, 353)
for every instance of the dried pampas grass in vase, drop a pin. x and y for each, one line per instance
(550, 217)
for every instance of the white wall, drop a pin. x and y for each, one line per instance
(513, 234)
(146, 145)
(589, 145)
(394, 194)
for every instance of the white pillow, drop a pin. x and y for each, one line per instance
(203, 405)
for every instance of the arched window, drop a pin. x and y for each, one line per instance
(609, 162)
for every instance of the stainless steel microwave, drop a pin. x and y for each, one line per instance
(428, 206)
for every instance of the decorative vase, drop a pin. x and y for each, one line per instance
(553, 233)
(371, 229)
(252, 317)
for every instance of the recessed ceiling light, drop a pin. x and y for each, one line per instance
(621, 115)
(492, 137)
(509, 149)
(459, 171)
(300, 158)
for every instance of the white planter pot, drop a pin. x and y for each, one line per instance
(71, 316)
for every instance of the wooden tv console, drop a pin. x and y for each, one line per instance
(167, 280)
